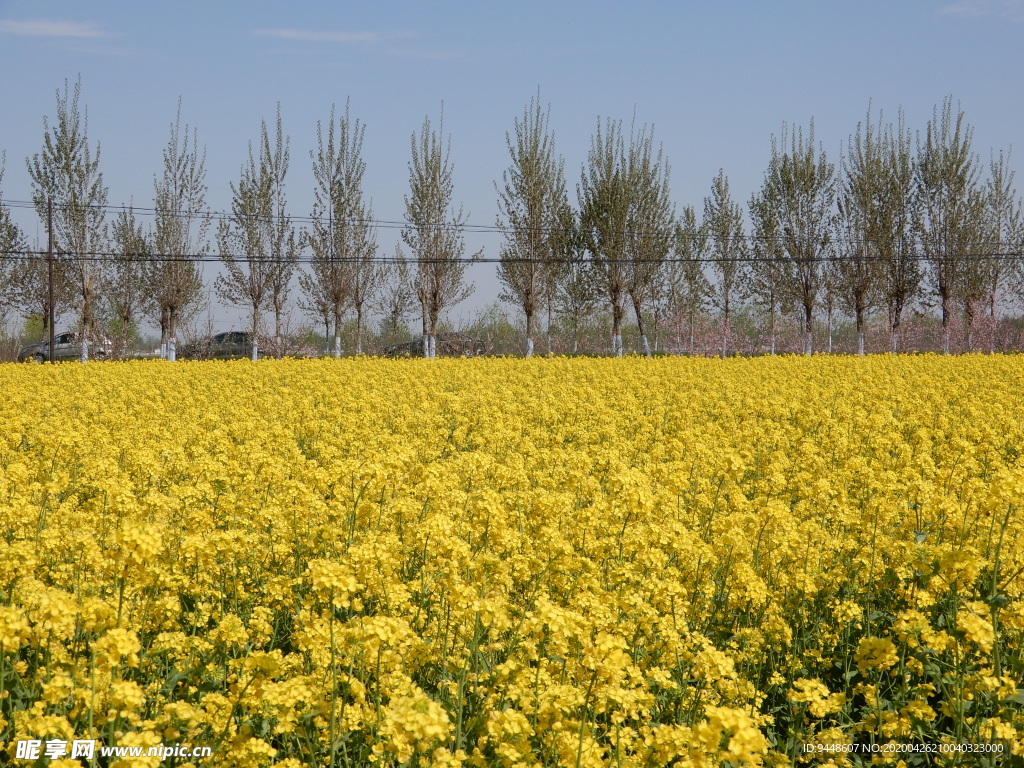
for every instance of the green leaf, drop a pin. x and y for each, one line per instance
(1018, 699)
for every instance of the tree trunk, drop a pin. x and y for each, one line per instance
(547, 331)
(433, 333)
(617, 313)
(172, 330)
(725, 326)
(46, 320)
(255, 333)
(945, 322)
(426, 334)
(163, 333)
(88, 321)
(992, 322)
(638, 311)
(808, 329)
(359, 329)
(529, 331)
(860, 331)
(895, 320)
(126, 324)
(337, 330)
(277, 330)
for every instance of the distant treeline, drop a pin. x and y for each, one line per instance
(907, 241)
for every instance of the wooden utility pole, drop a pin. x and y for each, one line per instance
(49, 269)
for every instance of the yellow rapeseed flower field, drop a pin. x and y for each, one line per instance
(516, 563)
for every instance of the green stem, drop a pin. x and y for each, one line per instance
(334, 681)
(584, 718)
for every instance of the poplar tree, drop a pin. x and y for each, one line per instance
(532, 202)
(897, 247)
(434, 230)
(367, 279)
(801, 184)
(285, 243)
(856, 271)
(180, 227)
(650, 222)
(30, 288)
(723, 225)
(626, 220)
(257, 243)
(687, 289)
(343, 244)
(768, 274)
(67, 173)
(950, 210)
(575, 293)
(315, 303)
(12, 247)
(128, 295)
(397, 295)
(604, 212)
(1004, 230)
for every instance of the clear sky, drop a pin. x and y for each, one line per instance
(716, 79)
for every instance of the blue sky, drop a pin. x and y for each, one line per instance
(716, 79)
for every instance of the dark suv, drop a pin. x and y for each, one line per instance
(224, 346)
(66, 346)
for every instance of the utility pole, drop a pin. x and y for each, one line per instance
(49, 270)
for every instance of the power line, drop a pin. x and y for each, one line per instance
(332, 223)
(110, 256)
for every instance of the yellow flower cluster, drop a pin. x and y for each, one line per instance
(514, 563)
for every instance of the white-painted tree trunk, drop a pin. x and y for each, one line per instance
(337, 346)
(255, 349)
(645, 345)
(172, 349)
(85, 350)
(163, 350)
(529, 347)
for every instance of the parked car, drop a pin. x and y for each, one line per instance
(445, 345)
(66, 346)
(223, 346)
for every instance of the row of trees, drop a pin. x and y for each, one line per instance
(887, 229)
(895, 224)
